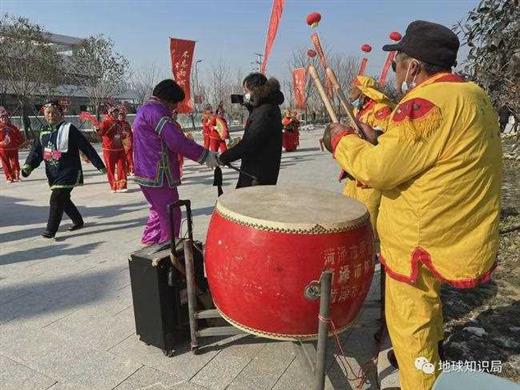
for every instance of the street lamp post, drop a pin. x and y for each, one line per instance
(195, 91)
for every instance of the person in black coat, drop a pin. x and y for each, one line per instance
(261, 146)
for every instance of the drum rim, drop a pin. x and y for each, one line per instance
(286, 227)
(282, 336)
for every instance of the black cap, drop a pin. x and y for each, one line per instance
(428, 42)
(169, 91)
(54, 103)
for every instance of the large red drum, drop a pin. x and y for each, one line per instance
(265, 251)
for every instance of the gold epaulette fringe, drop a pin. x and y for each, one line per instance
(415, 130)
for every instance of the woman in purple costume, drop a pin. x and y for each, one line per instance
(157, 141)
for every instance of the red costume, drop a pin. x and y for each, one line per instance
(218, 134)
(10, 141)
(112, 135)
(291, 133)
(206, 127)
(128, 141)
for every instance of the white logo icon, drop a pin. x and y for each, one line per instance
(423, 364)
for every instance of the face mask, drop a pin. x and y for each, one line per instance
(405, 87)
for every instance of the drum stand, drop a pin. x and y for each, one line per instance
(194, 314)
(316, 358)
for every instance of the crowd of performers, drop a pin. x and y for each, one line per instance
(428, 169)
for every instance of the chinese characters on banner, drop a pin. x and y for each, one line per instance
(181, 52)
(299, 81)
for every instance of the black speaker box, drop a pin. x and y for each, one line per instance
(159, 295)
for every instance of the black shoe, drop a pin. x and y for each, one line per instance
(392, 359)
(76, 226)
(47, 234)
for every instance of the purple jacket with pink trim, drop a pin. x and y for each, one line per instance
(157, 141)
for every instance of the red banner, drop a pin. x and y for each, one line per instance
(386, 68)
(315, 38)
(363, 66)
(181, 52)
(276, 15)
(299, 81)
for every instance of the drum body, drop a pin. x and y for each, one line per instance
(265, 251)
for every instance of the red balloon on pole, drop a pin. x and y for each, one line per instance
(395, 36)
(366, 48)
(313, 19)
(311, 53)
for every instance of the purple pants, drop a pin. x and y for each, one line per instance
(158, 227)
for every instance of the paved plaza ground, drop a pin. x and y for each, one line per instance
(66, 316)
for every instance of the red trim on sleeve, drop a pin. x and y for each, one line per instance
(420, 255)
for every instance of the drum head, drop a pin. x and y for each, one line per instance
(292, 209)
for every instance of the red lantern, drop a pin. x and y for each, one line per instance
(395, 36)
(313, 19)
(311, 53)
(366, 48)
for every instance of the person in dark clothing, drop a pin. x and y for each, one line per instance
(59, 144)
(503, 117)
(261, 146)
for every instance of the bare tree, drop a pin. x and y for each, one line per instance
(491, 31)
(142, 82)
(101, 70)
(29, 67)
(219, 81)
(345, 68)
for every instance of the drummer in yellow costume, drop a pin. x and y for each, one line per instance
(373, 108)
(439, 168)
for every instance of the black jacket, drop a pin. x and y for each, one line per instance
(261, 146)
(63, 169)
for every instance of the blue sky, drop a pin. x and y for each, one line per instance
(232, 29)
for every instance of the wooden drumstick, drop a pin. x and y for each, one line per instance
(323, 94)
(344, 102)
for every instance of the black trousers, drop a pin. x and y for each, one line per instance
(60, 202)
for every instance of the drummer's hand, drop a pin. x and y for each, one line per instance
(334, 132)
(370, 134)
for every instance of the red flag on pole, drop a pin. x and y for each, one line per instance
(364, 61)
(394, 36)
(319, 49)
(315, 38)
(386, 67)
(276, 15)
(363, 66)
(299, 79)
(181, 52)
